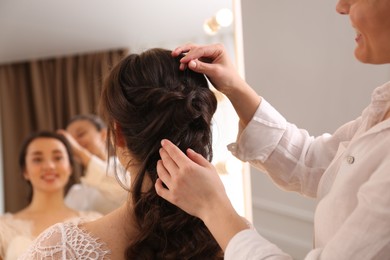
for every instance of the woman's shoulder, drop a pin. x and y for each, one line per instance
(89, 215)
(10, 224)
(7, 217)
(14, 232)
(68, 239)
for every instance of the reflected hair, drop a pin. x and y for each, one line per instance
(148, 98)
(46, 134)
(95, 120)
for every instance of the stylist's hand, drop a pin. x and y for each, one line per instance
(193, 183)
(81, 154)
(195, 187)
(213, 61)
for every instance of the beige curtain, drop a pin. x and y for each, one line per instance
(44, 95)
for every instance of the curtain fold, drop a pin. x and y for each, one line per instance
(44, 95)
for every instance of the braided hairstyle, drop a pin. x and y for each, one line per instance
(150, 99)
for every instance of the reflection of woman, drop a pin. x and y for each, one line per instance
(146, 97)
(99, 189)
(348, 171)
(46, 162)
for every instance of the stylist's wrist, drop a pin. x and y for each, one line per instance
(216, 209)
(223, 221)
(85, 156)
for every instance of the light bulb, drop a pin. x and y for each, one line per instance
(224, 17)
(211, 26)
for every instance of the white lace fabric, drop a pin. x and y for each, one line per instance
(66, 241)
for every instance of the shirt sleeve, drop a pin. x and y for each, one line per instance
(99, 190)
(248, 244)
(102, 177)
(96, 172)
(290, 156)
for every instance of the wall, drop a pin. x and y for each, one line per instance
(299, 56)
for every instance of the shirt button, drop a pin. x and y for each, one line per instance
(350, 159)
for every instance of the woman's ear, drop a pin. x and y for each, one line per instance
(120, 139)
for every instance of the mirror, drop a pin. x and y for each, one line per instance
(44, 29)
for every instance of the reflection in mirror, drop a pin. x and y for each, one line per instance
(44, 29)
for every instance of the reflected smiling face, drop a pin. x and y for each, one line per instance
(47, 165)
(371, 20)
(88, 136)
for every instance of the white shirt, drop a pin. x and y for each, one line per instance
(99, 190)
(348, 171)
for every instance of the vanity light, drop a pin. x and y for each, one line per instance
(211, 26)
(223, 18)
(230, 165)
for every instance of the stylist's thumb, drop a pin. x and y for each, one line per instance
(199, 66)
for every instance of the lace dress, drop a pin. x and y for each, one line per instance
(16, 234)
(66, 241)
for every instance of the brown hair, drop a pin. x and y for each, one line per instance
(95, 120)
(151, 99)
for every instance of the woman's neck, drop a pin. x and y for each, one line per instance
(47, 202)
(115, 229)
(46, 210)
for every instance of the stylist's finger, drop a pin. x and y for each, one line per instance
(162, 191)
(172, 156)
(63, 132)
(205, 54)
(208, 53)
(74, 144)
(168, 163)
(198, 158)
(203, 67)
(183, 49)
(163, 174)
